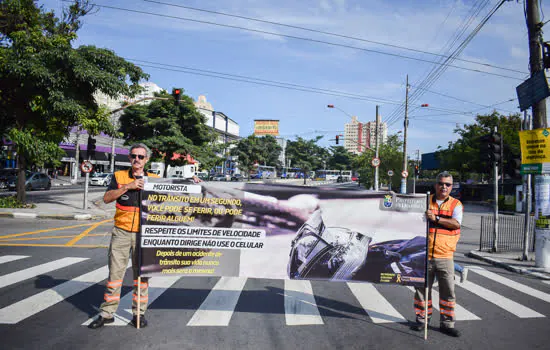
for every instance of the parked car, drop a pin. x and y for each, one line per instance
(203, 176)
(219, 177)
(5, 174)
(237, 177)
(101, 179)
(33, 181)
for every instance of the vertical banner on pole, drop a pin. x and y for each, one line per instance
(542, 221)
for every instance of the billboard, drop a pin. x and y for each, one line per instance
(266, 127)
(281, 232)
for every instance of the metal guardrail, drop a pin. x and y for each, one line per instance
(510, 233)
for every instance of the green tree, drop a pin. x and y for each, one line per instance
(463, 155)
(168, 129)
(306, 154)
(47, 86)
(340, 158)
(257, 150)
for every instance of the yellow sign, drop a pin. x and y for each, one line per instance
(535, 150)
(266, 127)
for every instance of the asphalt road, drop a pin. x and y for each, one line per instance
(52, 275)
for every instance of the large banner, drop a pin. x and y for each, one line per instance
(266, 127)
(535, 151)
(281, 232)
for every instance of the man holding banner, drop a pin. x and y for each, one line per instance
(445, 217)
(125, 188)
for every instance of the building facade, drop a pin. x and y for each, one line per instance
(361, 136)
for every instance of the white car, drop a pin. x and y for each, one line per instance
(101, 180)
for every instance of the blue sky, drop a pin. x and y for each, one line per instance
(422, 25)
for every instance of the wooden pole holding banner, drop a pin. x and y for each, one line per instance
(138, 247)
(138, 302)
(426, 271)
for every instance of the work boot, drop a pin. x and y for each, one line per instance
(463, 275)
(100, 322)
(417, 326)
(453, 332)
(142, 321)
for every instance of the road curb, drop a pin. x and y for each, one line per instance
(496, 262)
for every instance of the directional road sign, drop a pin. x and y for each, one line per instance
(390, 172)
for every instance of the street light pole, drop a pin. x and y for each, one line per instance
(376, 149)
(405, 124)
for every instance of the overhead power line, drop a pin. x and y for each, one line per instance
(331, 34)
(302, 39)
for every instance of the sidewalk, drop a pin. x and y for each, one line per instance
(511, 262)
(64, 206)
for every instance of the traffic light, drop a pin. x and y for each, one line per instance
(513, 166)
(337, 139)
(416, 170)
(91, 147)
(176, 93)
(490, 148)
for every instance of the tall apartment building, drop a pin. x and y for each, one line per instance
(360, 136)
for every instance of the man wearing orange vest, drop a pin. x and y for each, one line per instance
(124, 188)
(445, 217)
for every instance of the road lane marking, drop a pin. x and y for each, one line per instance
(157, 286)
(547, 282)
(461, 314)
(52, 245)
(512, 284)
(52, 237)
(43, 231)
(500, 301)
(83, 234)
(15, 277)
(219, 305)
(9, 258)
(28, 307)
(376, 306)
(300, 305)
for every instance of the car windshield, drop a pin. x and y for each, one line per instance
(102, 175)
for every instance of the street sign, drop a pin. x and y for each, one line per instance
(535, 151)
(86, 167)
(532, 90)
(375, 162)
(404, 173)
(390, 172)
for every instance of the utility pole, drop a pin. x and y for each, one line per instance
(406, 124)
(526, 198)
(542, 196)
(495, 227)
(376, 149)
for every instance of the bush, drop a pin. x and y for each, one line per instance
(12, 202)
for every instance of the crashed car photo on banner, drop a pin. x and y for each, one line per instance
(281, 232)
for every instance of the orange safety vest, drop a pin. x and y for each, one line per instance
(127, 205)
(442, 241)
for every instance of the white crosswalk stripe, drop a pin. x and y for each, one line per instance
(9, 258)
(512, 284)
(16, 277)
(43, 300)
(376, 306)
(219, 305)
(500, 301)
(300, 305)
(461, 314)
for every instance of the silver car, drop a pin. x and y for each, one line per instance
(33, 181)
(101, 179)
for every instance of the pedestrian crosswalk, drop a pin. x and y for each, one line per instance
(299, 304)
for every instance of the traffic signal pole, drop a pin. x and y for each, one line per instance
(406, 124)
(542, 195)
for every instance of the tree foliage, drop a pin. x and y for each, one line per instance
(168, 129)
(463, 155)
(256, 150)
(340, 158)
(47, 86)
(306, 154)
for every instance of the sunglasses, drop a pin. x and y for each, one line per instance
(134, 156)
(444, 184)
